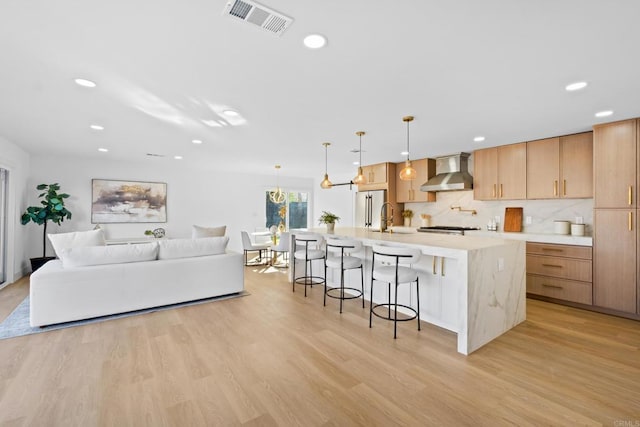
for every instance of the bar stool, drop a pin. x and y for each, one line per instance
(310, 251)
(396, 274)
(281, 248)
(339, 255)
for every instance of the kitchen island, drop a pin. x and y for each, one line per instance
(473, 286)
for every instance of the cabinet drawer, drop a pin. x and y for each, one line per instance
(582, 252)
(564, 268)
(568, 290)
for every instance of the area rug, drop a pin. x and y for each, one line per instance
(17, 323)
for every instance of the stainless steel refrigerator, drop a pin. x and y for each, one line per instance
(368, 207)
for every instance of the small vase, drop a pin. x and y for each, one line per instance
(330, 227)
(407, 222)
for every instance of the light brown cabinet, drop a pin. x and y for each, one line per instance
(615, 149)
(616, 237)
(500, 173)
(562, 272)
(560, 167)
(409, 191)
(376, 176)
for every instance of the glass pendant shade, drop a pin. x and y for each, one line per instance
(359, 179)
(325, 184)
(277, 196)
(408, 173)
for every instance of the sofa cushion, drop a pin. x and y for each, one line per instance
(184, 248)
(114, 254)
(199, 232)
(76, 239)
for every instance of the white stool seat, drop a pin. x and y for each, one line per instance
(349, 262)
(388, 274)
(310, 254)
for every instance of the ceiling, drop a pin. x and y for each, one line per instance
(164, 69)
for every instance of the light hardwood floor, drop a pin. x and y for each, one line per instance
(276, 358)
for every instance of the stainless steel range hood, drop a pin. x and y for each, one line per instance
(451, 174)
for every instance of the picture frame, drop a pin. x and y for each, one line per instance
(119, 201)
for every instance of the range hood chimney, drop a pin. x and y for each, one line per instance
(451, 174)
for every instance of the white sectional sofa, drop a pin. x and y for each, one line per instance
(68, 289)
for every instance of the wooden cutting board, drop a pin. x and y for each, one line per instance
(513, 219)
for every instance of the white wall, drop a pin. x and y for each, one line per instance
(16, 161)
(201, 197)
(337, 200)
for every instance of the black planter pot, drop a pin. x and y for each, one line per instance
(36, 263)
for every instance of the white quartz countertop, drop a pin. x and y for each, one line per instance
(448, 241)
(470, 241)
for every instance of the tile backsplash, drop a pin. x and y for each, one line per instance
(542, 212)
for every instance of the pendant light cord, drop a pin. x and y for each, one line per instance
(407, 139)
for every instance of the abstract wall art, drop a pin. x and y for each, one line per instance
(115, 201)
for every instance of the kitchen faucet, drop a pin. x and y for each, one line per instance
(387, 221)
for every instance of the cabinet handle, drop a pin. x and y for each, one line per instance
(630, 221)
(630, 195)
(551, 286)
(552, 265)
(501, 191)
(553, 249)
(442, 266)
(493, 194)
(564, 187)
(434, 265)
(555, 187)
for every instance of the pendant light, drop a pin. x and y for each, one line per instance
(325, 182)
(359, 179)
(408, 173)
(277, 196)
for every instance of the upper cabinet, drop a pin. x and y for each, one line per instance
(560, 167)
(377, 176)
(500, 173)
(615, 158)
(409, 191)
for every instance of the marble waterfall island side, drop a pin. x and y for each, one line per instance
(473, 286)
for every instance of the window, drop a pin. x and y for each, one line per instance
(292, 213)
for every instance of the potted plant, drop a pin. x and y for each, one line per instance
(52, 209)
(329, 219)
(407, 214)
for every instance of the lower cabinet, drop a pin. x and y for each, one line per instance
(439, 291)
(563, 272)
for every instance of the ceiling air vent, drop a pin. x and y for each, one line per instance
(256, 14)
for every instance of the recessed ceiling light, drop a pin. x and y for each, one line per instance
(315, 41)
(231, 113)
(356, 163)
(102, 150)
(576, 86)
(177, 157)
(197, 141)
(478, 139)
(604, 113)
(85, 83)
(97, 127)
(404, 153)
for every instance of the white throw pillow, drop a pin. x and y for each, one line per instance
(76, 239)
(114, 254)
(185, 248)
(199, 232)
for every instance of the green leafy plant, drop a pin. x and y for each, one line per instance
(407, 213)
(52, 209)
(328, 218)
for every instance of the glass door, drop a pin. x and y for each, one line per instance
(3, 225)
